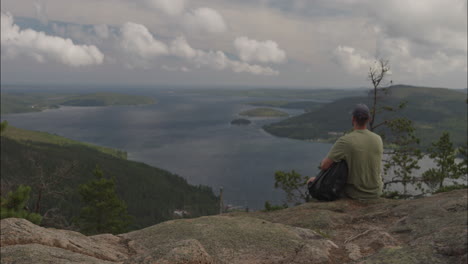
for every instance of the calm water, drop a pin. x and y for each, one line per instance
(189, 135)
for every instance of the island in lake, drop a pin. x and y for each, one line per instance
(241, 122)
(263, 112)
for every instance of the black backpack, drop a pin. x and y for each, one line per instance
(329, 184)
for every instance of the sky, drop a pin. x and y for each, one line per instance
(264, 43)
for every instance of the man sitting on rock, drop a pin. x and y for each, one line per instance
(362, 150)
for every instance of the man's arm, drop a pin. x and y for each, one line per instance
(337, 152)
(326, 163)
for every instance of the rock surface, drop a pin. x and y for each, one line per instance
(428, 230)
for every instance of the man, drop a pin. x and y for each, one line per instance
(362, 150)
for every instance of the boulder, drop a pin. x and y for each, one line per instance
(228, 239)
(104, 247)
(426, 230)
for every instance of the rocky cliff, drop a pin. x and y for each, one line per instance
(428, 230)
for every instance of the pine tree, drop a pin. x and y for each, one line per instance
(14, 205)
(3, 126)
(103, 211)
(293, 184)
(443, 153)
(404, 155)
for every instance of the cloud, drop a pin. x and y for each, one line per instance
(180, 48)
(170, 7)
(137, 40)
(416, 36)
(420, 38)
(403, 62)
(238, 66)
(139, 43)
(261, 51)
(216, 60)
(353, 61)
(409, 59)
(427, 22)
(204, 19)
(41, 14)
(102, 31)
(100, 35)
(436, 23)
(175, 69)
(43, 47)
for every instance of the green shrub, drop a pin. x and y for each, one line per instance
(451, 188)
(103, 211)
(14, 205)
(269, 207)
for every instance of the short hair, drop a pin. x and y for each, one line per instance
(361, 114)
(361, 121)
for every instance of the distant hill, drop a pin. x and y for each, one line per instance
(307, 106)
(16, 102)
(26, 136)
(433, 111)
(106, 99)
(58, 165)
(284, 93)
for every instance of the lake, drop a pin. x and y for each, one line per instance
(190, 135)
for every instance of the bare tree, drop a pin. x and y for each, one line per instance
(376, 75)
(403, 156)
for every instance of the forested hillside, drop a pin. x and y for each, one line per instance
(22, 102)
(433, 110)
(24, 135)
(54, 171)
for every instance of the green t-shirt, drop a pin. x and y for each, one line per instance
(362, 150)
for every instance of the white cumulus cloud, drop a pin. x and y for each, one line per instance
(170, 7)
(204, 19)
(180, 48)
(402, 59)
(216, 60)
(439, 23)
(409, 59)
(419, 38)
(261, 51)
(137, 40)
(141, 48)
(43, 47)
(138, 43)
(238, 66)
(352, 60)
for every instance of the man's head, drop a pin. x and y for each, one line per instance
(361, 115)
